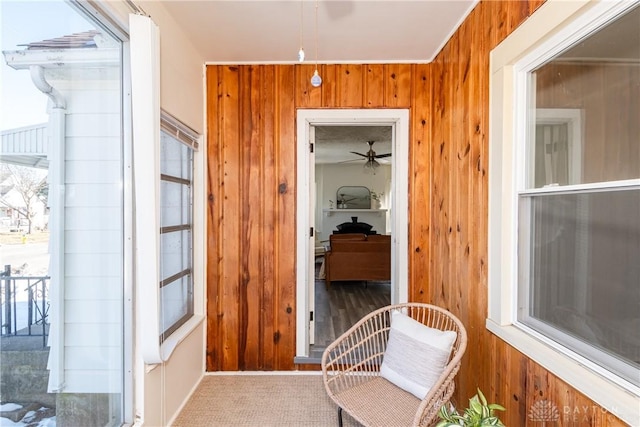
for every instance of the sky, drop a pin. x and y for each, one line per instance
(21, 22)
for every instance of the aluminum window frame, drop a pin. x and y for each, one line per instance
(181, 134)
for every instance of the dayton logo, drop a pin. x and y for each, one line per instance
(543, 411)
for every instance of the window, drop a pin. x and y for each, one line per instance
(176, 260)
(64, 107)
(564, 200)
(579, 227)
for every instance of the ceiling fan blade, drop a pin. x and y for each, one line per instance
(350, 161)
(359, 154)
(379, 156)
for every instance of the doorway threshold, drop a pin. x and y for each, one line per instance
(314, 357)
(307, 360)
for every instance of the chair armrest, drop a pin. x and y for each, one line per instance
(356, 355)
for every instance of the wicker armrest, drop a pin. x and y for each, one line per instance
(357, 354)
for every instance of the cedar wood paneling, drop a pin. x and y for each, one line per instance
(252, 198)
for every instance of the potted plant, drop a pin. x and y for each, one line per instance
(376, 199)
(478, 414)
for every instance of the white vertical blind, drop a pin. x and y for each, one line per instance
(145, 96)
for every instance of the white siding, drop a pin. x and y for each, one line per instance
(92, 265)
(93, 311)
(93, 124)
(97, 335)
(93, 234)
(98, 358)
(25, 140)
(92, 218)
(101, 148)
(94, 195)
(92, 172)
(99, 288)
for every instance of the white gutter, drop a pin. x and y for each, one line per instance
(58, 58)
(56, 225)
(37, 77)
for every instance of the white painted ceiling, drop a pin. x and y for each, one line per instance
(349, 31)
(334, 144)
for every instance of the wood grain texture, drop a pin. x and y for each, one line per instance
(252, 170)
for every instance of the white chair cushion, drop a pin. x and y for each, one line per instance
(416, 354)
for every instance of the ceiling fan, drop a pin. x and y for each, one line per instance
(371, 163)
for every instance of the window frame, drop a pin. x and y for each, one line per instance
(555, 26)
(180, 134)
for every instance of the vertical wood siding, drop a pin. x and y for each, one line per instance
(252, 219)
(252, 173)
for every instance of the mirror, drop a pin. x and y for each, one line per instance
(353, 198)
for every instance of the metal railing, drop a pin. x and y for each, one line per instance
(24, 305)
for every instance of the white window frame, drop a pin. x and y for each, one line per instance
(145, 82)
(546, 33)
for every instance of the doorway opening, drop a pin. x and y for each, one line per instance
(319, 209)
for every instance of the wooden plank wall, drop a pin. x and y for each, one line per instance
(252, 175)
(252, 218)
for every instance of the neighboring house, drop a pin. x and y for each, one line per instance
(80, 74)
(13, 207)
(23, 147)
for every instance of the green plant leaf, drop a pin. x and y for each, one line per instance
(478, 414)
(475, 405)
(483, 400)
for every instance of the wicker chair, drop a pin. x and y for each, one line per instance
(351, 370)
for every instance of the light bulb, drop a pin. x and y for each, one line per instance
(301, 55)
(370, 167)
(316, 80)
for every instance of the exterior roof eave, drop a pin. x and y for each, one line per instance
(58, 58)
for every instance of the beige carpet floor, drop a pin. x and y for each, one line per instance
(261, 400)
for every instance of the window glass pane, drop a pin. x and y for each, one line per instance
(176, 167)
(581, 273)
(175, 255)
(62, 113)
(176, 298)
(175, 157)
(587, 105)
(176, 204)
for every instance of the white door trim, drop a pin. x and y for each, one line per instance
(399, 119)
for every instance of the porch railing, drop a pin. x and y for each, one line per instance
(24, 305)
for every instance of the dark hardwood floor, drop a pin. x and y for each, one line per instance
(342, 305)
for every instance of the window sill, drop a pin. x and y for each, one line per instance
(171, 343)
(616, 399)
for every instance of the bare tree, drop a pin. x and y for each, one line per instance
(31, 185)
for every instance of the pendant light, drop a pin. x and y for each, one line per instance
(316, 80)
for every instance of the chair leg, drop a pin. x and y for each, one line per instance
(339, 417)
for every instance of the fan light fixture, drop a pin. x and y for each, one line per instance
(370, 166)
